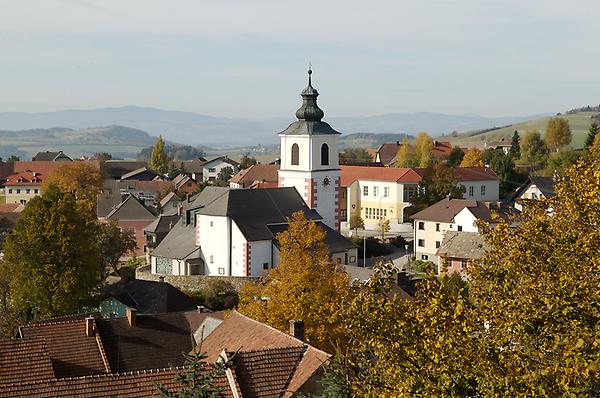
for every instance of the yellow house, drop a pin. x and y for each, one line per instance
(21, 187)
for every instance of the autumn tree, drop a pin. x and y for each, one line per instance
(456, 156)
(355, 155)
(438, 181)
(51, 259)
(515, 146)
(356, 221)
(406, 157)
(533, 150)
(473, 158)
(114, 243)
(159, 161)
(558, 133)
(593, 132)
(247, 161)
(305, 285)
(423, 147)
(83, 179)
(383, 226)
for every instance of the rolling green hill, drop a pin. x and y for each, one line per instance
(369, 140)
(580, 124)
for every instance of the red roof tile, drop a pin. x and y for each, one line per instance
(475, 174)
(72, 352)
(257, 173)
(24, 360)
(349, 174)
(25, 178)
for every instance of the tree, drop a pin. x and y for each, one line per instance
(423, 147)
(558, 133)
(159, 161)
(533, 150)
(503, 165)
(198, 379)
(593, 132)
(473, 158)
(384, 226)
(102, 156)
(51, 259)
(246, 161)
(225, 174)
(356, 221)
(305, 285)
(355, 155)
(515, 146)
(438, 181)
(456, 156)
(83, 179)
(559, 161)
(406, 157)
(13, 158)
(113, 243)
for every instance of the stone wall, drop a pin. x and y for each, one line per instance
(190, 283)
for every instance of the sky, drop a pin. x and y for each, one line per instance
(248, 58)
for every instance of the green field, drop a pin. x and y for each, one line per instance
(580, 124)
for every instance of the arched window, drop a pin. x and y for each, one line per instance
(295, 155)
(324, 155)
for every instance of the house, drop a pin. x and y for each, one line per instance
(21, 187)
(115, 169)
(386, 154)
(191, 167)
(212, 168)
(384, 193)
(458, 250)
(159, 228)
(147, 297)
(185, 183)
(133, 215)
(143, 174)
(51, 157)
(534, 188)
(113, 192)
(450, 214)
(232, 232)
(256, 176)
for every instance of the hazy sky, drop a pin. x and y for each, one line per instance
(248, 58)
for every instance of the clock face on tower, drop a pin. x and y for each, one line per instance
(326, 181)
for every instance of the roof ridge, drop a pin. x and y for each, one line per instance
(40, 324)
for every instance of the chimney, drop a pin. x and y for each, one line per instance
(179, 210)
(161, 278)
(297, 328)
(89, 326)
(131, 316)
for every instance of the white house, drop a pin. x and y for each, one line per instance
(431, 224)
(232, 232)
(534, 188)
(212, 168)
(480, 183)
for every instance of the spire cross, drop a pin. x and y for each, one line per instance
(309, 73)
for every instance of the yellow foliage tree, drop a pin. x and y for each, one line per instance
(473, 158)
(83, 179)
(305, 285)
(423, 148)
(406, 157)
(558, 133)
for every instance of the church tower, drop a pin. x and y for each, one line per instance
(309, 158)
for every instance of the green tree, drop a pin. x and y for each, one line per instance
(159, 161)
(502, 164)
(456, 156)
(558, 133)
(559, 161)
(594, 129)
(13, 158)
(51, 259)
(355, 155)
(533, 150)
(515, 146)
(356, 221)
(246, 161)
(114, 243)
(305, 285)
(473, 158)
(406, 157)
(224, 175)
(438, 181)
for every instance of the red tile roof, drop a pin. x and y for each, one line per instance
(72, 352)
(11, 207)
(139, 384)
(475, 174)
(23, 361)
(238, 332)
(25, 178)
(257, 173)
(349, 174)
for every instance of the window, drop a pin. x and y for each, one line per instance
(421, 243)
(459, 227)
(295, 155)
(482, 190)
(386, 192)
(212, 170)
(221, 271)
(324, 155)
(265, 265)
(36, 191)
(421, 225)
(22, 201)
(18, 191)
(352, 259)
(408, 192)
(424, 257)
(211, 223)
(437, 227)
(28, 190)
(463, 264)
(375, 191)
(10, 190)
(366, 190)
(471, 189)
(437, 244)
(344, 213)
(212, 259)
(338, 260)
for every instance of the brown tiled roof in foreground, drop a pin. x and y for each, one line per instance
(140, 384)
(23, 361)
(72, 352)
(266, 373)
(238, 332)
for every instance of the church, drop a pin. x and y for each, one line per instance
(232, 232)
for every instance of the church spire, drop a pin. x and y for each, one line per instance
(309, 110)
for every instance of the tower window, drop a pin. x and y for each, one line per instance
(324, 155)
(295, 155)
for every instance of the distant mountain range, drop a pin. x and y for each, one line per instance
(196, 129)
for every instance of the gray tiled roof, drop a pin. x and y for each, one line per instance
(467, 245)
(180, 243)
